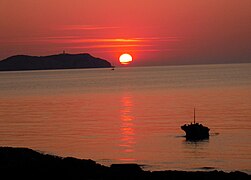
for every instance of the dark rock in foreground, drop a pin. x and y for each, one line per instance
(23, 163)
(60, 61)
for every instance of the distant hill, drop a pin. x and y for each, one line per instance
(58, 61)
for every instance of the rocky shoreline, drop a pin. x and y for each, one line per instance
(24, 163)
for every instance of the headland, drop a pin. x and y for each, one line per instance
(58, 61)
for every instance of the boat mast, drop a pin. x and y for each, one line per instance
(194, 115)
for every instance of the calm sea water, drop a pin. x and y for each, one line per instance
(132, 115)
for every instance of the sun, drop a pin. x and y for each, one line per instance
(125, 59)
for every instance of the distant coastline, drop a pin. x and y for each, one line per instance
(27, 163)
(58, 61)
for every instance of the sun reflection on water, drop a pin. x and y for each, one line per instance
(127, 129)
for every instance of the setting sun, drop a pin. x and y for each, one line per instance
(125, 59)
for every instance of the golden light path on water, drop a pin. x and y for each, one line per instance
(127, 129)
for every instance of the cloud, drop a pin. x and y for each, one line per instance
(109, 46)
(86, 27)
(119, 40)
(79, 39)
(136, 44)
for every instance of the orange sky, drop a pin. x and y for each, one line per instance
(155, 32)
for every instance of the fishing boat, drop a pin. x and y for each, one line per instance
(195, 131)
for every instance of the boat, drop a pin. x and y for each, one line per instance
(195, 131)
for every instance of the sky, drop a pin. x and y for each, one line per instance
(154, 32)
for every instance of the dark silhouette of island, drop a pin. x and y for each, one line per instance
(24, 163)
(58, 61)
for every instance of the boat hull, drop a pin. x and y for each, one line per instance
(196, 131)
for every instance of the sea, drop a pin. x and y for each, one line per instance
(132, 115)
